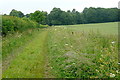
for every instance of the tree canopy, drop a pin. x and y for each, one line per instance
(60, 17)
(38, 16)
(16, 13)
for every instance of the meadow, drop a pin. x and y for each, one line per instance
(68, 51)
(104, 28)
(84, 51)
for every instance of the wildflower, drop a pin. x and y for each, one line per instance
(100, 59)
(71, 46)
(112, 75)
(73, 63)
(113, 42)
(68, 66)
(117, 71)
(66, 44)
(19, 35)
(97, 70)
(118, 63)
(64, 37)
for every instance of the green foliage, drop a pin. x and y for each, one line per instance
(99, 15)
(54, 17)
(0, 24)
(11, 24)
(60, 17)
(16, 13)
(38, 16)
(62, 52)
(89, 15)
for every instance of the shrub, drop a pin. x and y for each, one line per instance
(13, 24)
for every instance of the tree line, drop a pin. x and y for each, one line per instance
(60, 17)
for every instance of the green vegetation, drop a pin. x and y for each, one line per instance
(60, 17)
(30, 62)
(14, 41)
(11, 24)
(72, 51)
(103, 28)
(82, 54)
(31, 49)
(88, 15)
(16, 13)
(0, 57)
(39, 17)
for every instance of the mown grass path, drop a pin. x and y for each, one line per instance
(30, 63)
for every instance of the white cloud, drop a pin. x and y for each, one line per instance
(27, 6)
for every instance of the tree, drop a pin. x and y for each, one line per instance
(16, 13)
(118, 14)
(54, 18)
(38, 16)
(28, 15)
(77, 18)
(66, 18)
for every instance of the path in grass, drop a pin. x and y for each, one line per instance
(30, 63)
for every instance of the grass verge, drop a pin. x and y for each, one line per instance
(30, 62)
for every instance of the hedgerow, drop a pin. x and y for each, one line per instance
(11, 24)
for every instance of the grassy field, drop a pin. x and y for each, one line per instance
(104, 28)
(72, 51)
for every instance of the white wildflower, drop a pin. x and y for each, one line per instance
(66, 44)
(68, 66)
(112, 75)
(97, 70)
(119, 63)
(113, 42)
(19, 35)
(71, 46)
(117, 71)
(73, 63)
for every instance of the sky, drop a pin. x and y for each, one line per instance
(30, 6)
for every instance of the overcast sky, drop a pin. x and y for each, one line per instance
(29, 6)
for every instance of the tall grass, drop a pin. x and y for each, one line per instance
(17, 34)
(17, 31)
(79, 54)
(30, 61)
(13, 41)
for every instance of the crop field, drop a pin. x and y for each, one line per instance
(68, 51)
